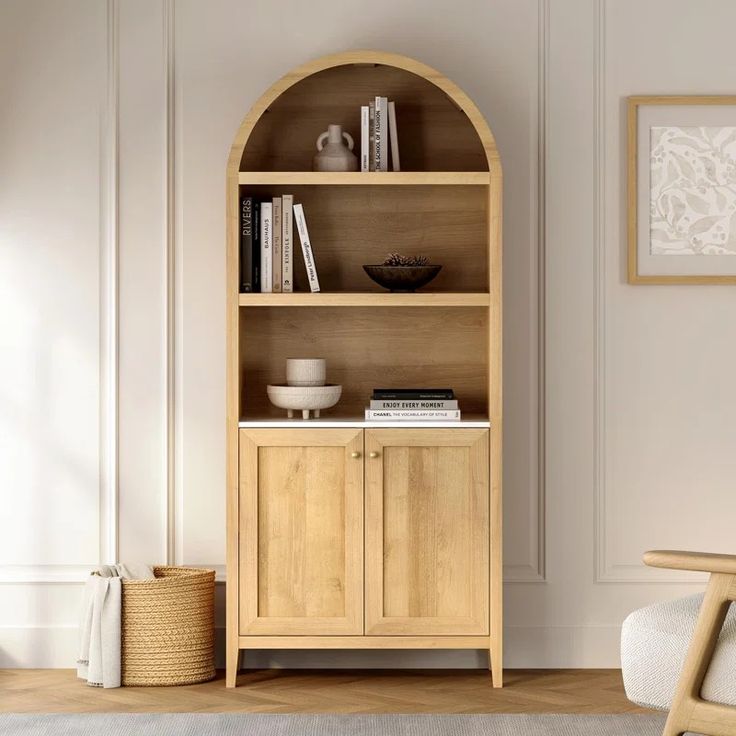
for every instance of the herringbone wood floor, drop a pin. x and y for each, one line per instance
(300, 691)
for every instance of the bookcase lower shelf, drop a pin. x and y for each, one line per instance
(364, 642)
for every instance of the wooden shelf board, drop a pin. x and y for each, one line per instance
(365, 178)
(341, 422)
(366, 299)
(364, 642)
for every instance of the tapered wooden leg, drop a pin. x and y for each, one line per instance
(495, 655)
(683, 715)
(232, 665)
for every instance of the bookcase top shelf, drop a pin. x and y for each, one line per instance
(366, 178)
(367, 299)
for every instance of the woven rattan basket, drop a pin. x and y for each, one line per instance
(168, 627)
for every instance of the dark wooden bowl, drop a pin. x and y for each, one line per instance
(402, 278)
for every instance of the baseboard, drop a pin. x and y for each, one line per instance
(39, 646)
(525, 647)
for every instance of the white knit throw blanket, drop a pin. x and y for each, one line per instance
(99, 650)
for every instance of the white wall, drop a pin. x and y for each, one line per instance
(117, 121)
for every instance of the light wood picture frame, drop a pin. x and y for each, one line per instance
(681, 199)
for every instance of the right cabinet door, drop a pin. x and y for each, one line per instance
(427, 532)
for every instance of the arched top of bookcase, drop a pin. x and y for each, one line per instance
(440, 128)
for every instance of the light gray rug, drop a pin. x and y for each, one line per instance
(247, 724)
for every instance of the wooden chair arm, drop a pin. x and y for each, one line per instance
(697, 561)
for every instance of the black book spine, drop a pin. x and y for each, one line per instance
(256, 248)
(246, 244)
(430, 394)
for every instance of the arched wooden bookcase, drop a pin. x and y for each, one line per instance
(344, 534)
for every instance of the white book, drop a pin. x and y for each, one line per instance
(364, 138)
(287, 243)
(412, 416)
(393, 136)
(371, 136)
(301, 226)
(380, 134)
(266, 247)
(276, 268)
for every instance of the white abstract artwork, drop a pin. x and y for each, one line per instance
(693, 191)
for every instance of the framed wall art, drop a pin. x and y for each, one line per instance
(682, 190)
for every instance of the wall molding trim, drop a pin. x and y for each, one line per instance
(170, 499)
(108, 333)
(535, 570)
(542, 149)
(175, 290)
(109, 297)
(599, 286)
(607, 570)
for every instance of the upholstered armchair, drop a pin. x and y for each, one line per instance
(681, 654)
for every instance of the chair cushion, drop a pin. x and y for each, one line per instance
(654, 641)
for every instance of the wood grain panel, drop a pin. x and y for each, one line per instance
(365, 349)
(354, 225)
(301, 531)
(425, 503)
(427, 532)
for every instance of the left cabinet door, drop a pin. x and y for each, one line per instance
(301, 531)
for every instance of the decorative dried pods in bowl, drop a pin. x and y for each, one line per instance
(402, 273)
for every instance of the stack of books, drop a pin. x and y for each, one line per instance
(267, 244)
(378, 136)
(413, 404)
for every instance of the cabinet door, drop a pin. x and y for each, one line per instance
(427, 535)
(301, 531)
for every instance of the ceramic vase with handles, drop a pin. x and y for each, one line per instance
(333, 154)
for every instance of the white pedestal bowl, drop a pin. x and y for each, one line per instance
(304, 398)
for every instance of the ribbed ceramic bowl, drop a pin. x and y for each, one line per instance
(402, 278)
(300, 398)
(306, 371)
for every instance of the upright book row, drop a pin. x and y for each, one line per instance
(267, 244)
(378, 136)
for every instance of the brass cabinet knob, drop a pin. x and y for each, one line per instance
(355, 454)
(373, 454)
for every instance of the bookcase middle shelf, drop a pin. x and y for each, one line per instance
(366, 299)
(365, 178)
